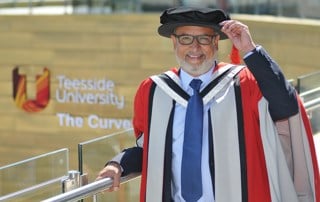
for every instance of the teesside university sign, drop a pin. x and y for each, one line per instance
(71, 91)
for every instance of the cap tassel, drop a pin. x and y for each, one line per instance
(235, 56)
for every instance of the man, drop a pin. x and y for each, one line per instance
(254, 141)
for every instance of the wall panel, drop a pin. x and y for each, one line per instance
(122, 49)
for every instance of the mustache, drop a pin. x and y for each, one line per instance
(198, 53)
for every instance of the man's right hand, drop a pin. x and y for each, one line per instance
(113, 171)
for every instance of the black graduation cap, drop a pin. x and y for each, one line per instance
(188, 16)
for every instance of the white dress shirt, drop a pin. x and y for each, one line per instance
(177, 141)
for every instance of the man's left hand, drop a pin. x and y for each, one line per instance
(239, 34)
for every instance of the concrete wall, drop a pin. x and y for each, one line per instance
(120, 50)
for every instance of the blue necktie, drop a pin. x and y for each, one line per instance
(191, 179)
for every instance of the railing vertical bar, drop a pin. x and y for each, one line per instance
(80, 159)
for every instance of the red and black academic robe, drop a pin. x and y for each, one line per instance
(261, 145)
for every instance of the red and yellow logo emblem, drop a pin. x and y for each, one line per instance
(20, 91)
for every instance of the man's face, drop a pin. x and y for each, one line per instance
(195, 58)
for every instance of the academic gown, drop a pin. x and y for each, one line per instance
(260, 140)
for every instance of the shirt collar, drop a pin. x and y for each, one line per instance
(186, 79)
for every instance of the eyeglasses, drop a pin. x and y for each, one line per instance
(186, 39)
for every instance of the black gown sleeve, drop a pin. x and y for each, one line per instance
(280, 95)
(130, 160)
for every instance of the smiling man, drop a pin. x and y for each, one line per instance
(214, 131)
(194, 50)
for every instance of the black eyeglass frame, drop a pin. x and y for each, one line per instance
(195, 36)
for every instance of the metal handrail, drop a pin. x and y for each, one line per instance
(312, 104)
(314, 90)
(29, 1)
(31, 189)
(89, 189)
(31, 7)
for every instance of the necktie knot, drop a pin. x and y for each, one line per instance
(195, 84)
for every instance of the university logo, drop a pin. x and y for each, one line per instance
(42, 94)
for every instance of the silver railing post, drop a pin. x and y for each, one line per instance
(72, 181)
